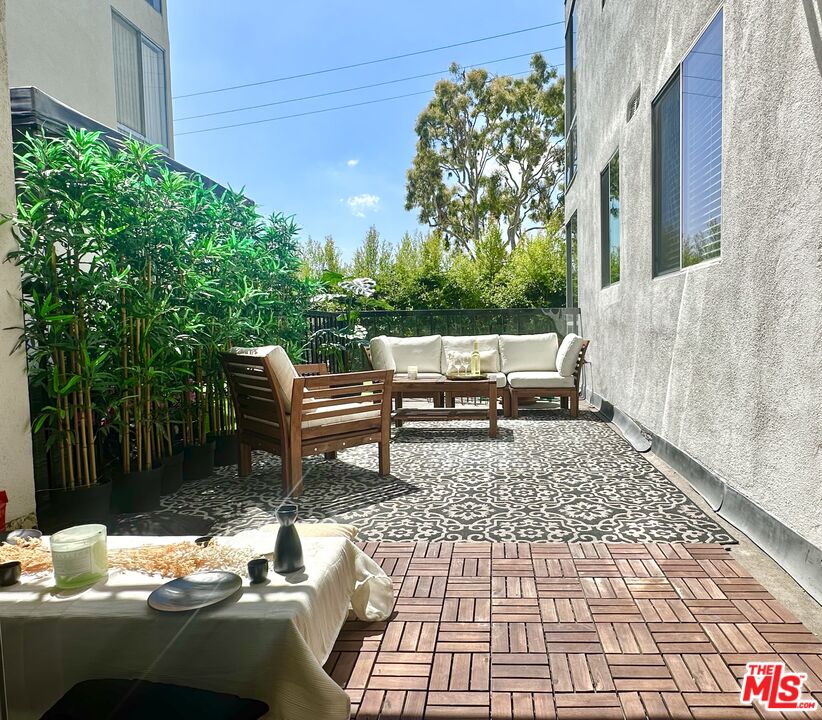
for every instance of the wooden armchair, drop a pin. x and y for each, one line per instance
(295, 416)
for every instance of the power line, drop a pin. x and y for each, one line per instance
(359, 87)
(303, 114)
(368, 62)
(316, 112)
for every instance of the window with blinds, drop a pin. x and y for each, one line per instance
(687, 152)
(572, 281)
(665, 144)
(154, 93)
(702, 147)
(127, 86)
(139, 83)
(609, 225)
(571, 98)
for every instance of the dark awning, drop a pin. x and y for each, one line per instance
(32, 109)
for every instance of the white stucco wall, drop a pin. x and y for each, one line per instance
(723, 360)
(64, 47)
(16, 474)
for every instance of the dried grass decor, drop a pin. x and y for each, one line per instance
(170, 561)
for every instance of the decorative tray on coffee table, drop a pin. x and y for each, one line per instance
(481, 376)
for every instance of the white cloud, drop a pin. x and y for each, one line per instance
(353, 162)
(361, 204)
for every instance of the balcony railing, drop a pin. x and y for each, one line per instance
(409, 323)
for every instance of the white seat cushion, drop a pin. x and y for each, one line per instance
(323, 421)
(424, 352)
(523, 353)
(381, 356)
(568, 354)
(488, 346)
(499, 377)
(537, 380)
(280, 365)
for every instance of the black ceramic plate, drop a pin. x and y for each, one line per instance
(15, 535)
(195, 591)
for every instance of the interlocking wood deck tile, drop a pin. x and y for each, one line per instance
(556, 631)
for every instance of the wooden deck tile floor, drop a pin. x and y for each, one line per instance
(551, 630)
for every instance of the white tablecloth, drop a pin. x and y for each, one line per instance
(270, 644)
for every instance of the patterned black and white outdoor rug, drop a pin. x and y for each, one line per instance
(546, 477)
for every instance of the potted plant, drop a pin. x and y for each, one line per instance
(66, 290)
(138, 323)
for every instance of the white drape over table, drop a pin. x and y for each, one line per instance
(269, 643)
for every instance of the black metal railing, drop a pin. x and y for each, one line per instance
(410, 323)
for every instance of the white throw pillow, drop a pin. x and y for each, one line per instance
(522, 353)
(488, 349)
(381, 356)
(424, 352)
(568, 354)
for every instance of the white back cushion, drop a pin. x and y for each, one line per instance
(280, 365)
(381, 355)
(568, 354)
(488, 349)
(424, 352)
(521, 353)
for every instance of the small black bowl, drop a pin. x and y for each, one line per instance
(10, 573)
(258, 570)
(204, 540)
(26, 534)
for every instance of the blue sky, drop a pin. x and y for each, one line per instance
(337, 172)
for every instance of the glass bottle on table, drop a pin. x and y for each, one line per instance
(475, 359)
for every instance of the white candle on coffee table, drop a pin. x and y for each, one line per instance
(412, 372)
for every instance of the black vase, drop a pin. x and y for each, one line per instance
(59, 509)
(226, 451)
(288, 551)
(172, 473)
(198, 461)
(137, 491)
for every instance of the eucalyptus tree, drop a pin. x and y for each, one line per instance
(489, 149)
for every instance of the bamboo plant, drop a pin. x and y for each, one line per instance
(135, 278)
(67, 288)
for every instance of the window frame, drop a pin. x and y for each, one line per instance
(143, 39)
(676, 75)
(571, 135)
(605, 223)
(156, 5)
(572, 261)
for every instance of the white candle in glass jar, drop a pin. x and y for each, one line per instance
(412, 372)
(79, 555)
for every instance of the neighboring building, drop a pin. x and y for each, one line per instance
(107, 59)
(15, 431)
(694, 209)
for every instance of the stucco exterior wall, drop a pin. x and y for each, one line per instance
(16, 476)
(65, 49)
(723, 360)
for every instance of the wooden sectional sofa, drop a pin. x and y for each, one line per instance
(522, 365)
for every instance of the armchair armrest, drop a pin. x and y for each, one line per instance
(307, 369)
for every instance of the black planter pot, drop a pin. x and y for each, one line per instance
(59, 509)
(137, 491)
(226, 451)
(198, 461)
(172, 473)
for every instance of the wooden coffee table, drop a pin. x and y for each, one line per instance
(462, 388)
